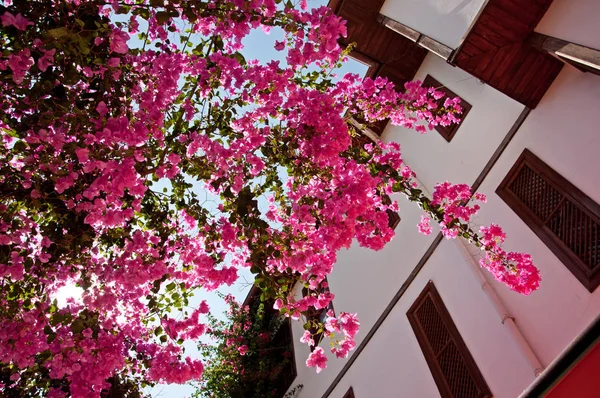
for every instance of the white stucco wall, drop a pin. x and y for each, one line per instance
(393, 365)
(573, 20)
(563, 132)
(365, 281)
(462, 159)
(446, 21)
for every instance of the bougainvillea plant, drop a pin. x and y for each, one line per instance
(91, 128)
(248, 354)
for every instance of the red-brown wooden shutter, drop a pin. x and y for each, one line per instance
(349, 393)
(447, 132)
(560, 214)
(451, 364)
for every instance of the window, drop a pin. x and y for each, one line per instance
(283, 347)
(349, 394)
(562, 216)
(452, 366)
(447, 132)
(280, 347)
(393, 216)
(372, 65)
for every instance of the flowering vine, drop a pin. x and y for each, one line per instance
(109, 152)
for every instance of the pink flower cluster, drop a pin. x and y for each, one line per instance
(453, 200)
(346, 324)
(516, 270)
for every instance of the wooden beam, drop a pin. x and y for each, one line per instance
(434, 46)
(584, 58)
(399, 28)
(367, 132)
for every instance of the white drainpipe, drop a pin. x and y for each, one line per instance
(507, 319)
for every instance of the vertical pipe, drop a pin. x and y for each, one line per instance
(507, 319)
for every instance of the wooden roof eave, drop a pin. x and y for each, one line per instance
(496, 51)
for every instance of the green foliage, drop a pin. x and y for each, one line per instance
(265, 370)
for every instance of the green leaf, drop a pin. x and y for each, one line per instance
(77, 326)
(58, 32)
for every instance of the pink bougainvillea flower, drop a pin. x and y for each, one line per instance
(46, 60)
(17, 21)
(424, 227)
(118, 42)
(317, 359)
(243, 349)
(279, 45)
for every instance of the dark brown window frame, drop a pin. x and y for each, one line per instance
(589, 276)
(430, 292)
(393, 216)
(374, 65)
(448, 132)
(349, 393)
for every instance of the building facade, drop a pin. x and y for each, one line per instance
(433, 323)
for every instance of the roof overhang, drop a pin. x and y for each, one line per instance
(496, 50)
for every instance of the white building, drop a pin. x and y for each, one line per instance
(531, 143)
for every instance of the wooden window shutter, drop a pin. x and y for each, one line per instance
(560, 214)
(349, 394)
(451, 364)
(447, 132)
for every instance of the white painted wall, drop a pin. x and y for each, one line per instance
(446, 21)
(365, 281)
(573, 20)
(462, 159)
(563, 131)
(392, 365)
